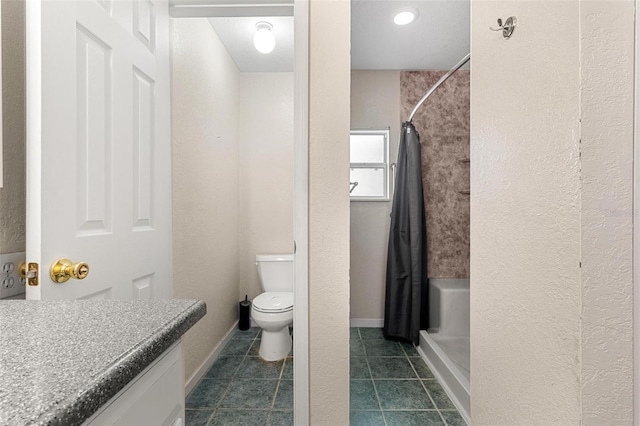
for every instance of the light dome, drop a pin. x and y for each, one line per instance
(264, 40)
(405, 16)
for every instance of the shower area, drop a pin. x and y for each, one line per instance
(383, 98)
(443, 124)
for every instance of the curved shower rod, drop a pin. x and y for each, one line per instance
(438, 83)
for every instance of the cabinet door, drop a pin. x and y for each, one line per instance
(155, 397)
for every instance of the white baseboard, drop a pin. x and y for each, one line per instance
(208, 362)
(367, 322)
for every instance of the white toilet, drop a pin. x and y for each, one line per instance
(273, 310)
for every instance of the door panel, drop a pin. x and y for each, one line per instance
(144, 23)
(94, 143)
(99, 165)
(143, 138)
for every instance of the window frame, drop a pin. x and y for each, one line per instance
(386, 165)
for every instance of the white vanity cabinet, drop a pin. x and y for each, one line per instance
(108, 362)
(155, 397)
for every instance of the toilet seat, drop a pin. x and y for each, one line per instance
(273, 302)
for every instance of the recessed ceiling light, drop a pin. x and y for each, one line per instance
(405, 16)
(264, 40)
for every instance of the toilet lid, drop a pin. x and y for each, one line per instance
(274, 302)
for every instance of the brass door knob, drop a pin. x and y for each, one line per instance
(64, 269)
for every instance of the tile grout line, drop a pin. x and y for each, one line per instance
(210, 419)
(275, 395)
(399, 379)
(424, 387)
(421, 379)
(284, 363)
(224, 394)
(407, 410)
(373, 382)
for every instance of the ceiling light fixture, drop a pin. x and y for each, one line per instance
(264, 40)
(405, 16)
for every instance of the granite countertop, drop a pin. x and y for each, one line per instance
(60, 361)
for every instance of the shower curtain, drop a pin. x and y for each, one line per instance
(406, 282)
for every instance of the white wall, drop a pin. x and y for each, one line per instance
(12, 194)
(205, 93)
(375, 104)
(550, 265)
(232, 178)
(266, 171)
(525, 212)
(329, 72)
(606, 102)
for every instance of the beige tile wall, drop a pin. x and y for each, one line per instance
(443, 124)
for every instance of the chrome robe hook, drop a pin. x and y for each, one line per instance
(508, 27)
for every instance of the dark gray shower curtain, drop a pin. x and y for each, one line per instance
(406, 259)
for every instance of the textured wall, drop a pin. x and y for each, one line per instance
(266, 171)
(375, 104)
(12, 194)
(443, 124)
(525, 215)
(329, 73)
(607, 55)
(205, 92)
(538, 166)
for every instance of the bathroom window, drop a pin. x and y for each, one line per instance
(369, 157)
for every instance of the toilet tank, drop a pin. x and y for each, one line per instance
(275, 271)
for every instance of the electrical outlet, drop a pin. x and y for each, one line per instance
(10, 282)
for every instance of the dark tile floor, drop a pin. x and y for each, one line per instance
(390, 385)
(242, 389)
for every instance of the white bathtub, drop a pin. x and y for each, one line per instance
(445, 346)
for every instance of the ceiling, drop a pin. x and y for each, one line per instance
(436, 40)
(237, 36)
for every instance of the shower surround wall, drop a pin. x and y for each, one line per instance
(443, 124)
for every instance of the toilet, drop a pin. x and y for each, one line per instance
(272, 310)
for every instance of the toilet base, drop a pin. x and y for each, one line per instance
(275, 345)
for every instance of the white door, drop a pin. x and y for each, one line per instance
(98, 147)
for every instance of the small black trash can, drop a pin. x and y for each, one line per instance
(245, 314)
